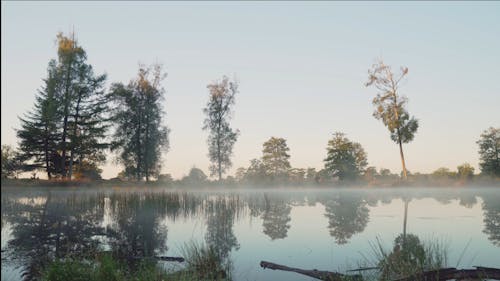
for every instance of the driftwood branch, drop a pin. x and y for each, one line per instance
(161, 258)
(318, 274)
(457, 274)
(433, 275)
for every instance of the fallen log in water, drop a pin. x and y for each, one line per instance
(161, 258)
(480, 273)
(442, 274)
(318, 274)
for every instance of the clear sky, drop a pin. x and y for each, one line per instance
(301, 67)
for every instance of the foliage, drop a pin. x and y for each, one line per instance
(409, 259)
(256, 172)
(68, 123)
(443, 173)
(139, 137)
(345, 159)
(390, 105)
(465, 171)
(347, 215)
(221, 137)
(204, 263)
(105, 268)
(489, 152)
(276, 219)
(275, 159)
(11, 162)
(491, 218)
(195, 176)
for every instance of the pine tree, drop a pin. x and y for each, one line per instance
(39, 133)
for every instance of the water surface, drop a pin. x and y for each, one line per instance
(329, 229)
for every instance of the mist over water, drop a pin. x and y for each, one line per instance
(329, 229)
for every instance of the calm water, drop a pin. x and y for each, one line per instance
(323, 229)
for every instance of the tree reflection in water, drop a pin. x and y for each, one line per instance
(347, 215)
(491, 209)
(220, 215)
(45, 226)
(53, 227)
(137, 231)
(276, 218)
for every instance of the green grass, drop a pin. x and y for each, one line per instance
(407, 258)
(202, 263)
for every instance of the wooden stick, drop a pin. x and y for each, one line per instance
(318, 274)
(162, 258)
(453, 273)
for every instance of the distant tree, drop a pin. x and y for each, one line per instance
(311, 175)
(221, 137)
(140, 137)
(297, 175)
(345, 159)
(256, 172)
(240, 174)
(390, 105)
(165, 178)
(10, 162)
(443, 173)
(370, 173)
(195, 176)
(87, 171)
(465, 171)
(385, 172)
(275, 158)
(489, 152)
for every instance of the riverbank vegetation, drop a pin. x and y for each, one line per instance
(201, 263)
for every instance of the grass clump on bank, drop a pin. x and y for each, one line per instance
(205, 263)
(202, 263)
(408, 257)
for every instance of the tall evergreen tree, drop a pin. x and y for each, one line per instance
(39, 131)
(140, 138)
(221, 137)
(68, 123)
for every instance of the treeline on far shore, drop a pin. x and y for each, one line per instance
(196, 179)
(76, 124)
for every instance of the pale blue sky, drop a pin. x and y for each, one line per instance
(301, 67)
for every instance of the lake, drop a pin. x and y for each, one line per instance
(328, 229)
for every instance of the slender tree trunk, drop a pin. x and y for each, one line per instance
(66, 113)
(75, 130)
(146, 146)
(219, 160)
(46, 151)
(65, 125)
(405, 176)
(138, 144)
